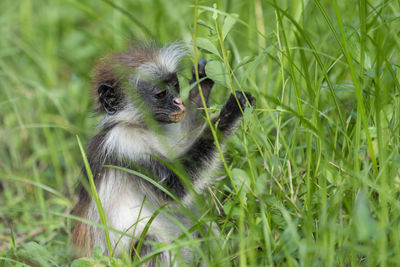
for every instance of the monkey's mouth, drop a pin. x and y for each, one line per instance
(177, 116)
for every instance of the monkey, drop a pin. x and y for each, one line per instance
(146, 127)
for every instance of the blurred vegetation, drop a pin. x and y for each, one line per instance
(315, 164)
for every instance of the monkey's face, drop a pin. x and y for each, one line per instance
(162, 98)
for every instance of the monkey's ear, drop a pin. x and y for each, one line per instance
(108, 97)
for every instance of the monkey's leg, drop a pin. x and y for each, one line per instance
(145, 249)
(163, 259)
(82, 237)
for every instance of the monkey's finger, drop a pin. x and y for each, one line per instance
(251, 99)
(201, 66)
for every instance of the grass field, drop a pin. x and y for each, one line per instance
(312, 175)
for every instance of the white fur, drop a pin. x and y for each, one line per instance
(127, 210)
(167, 60)
(129, 115)
(135, 142)
(148, 70)
(169, 56)
(129, 142)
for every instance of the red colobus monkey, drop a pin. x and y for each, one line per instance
(146, 128)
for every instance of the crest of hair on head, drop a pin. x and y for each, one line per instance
(169, 56)
(163, 60)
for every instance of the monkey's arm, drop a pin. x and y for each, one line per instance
(201, 154)
(206, 85)
(193, 118)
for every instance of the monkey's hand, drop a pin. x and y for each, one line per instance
(231, 112)
(206, 85)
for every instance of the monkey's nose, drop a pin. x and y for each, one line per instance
(178, 101)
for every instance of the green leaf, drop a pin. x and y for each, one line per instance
(364, 224)
(207, 45)
(247, 116)
(255, 62)
(241, 180)
(245, 60)
(261, 184)
(228, 24)
(82, 262)
(217, 72)
(204, 24)
(97, 253)
(355, 47)
(230, 208)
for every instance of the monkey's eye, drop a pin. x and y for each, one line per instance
(175, 85)
(162, 94)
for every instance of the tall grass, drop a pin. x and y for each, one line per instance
(312, 174)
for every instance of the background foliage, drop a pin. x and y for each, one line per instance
(314, 168)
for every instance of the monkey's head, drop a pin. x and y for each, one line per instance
(141, 81)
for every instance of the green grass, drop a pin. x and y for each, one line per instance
(312, 174)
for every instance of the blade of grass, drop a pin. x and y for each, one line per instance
(95, 196)
(357, 88)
